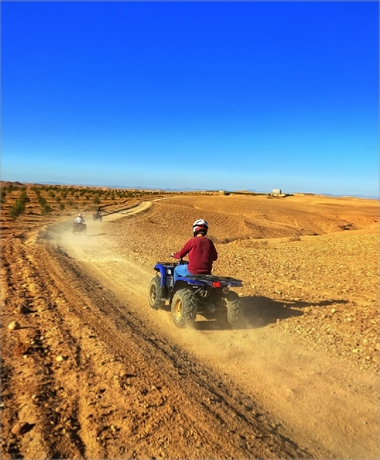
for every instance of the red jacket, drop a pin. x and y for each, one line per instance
(202, 254)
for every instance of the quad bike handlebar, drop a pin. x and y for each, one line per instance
(180, 261)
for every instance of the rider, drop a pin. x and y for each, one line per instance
(79, 219)
(201, 250)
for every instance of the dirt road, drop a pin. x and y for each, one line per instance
(93, 372)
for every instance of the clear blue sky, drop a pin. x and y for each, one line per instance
(212, 95)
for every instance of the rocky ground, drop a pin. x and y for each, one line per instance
(90, 371)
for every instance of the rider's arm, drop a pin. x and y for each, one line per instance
(215, 254)
(182, 253)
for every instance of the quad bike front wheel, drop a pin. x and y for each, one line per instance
(184, 308)
(155, 293)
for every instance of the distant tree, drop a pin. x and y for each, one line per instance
(41, 200)
(97, 199)
(61, 206)
(16, 210)
(46, 209)
(19, 206)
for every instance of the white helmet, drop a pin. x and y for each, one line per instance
(200, 226)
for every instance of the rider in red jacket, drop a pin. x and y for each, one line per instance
(201, 251)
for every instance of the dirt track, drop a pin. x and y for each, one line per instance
(93, 372)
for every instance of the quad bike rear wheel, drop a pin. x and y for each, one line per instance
(233, 308)
(155, 293)
(184, 308)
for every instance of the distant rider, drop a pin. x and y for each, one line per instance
(201, 250)
(79, 219)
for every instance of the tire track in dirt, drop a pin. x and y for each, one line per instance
(36, 374)
(232, 409)
(92, 381)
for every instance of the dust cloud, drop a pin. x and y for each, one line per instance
(298, 386)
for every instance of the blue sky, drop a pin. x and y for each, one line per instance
(212, 95)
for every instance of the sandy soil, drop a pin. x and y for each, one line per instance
(93, 372)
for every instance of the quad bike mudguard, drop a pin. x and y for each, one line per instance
(166, 270)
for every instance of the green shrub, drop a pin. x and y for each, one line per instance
(19, 206)
(3, 194)
(46, 209)
(17, 209)
(41, 200)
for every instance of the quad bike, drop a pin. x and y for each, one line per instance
(97, 216)
(79, 227)
(208, 295)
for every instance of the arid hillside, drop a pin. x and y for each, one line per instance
(89, 370)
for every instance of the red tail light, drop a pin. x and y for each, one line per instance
(216, 284)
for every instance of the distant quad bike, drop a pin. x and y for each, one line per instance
(208, 295)
(79, 227)
(97, 216)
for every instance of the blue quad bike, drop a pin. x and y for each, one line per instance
(208, 295)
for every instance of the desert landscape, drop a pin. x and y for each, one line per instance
(89, 370)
